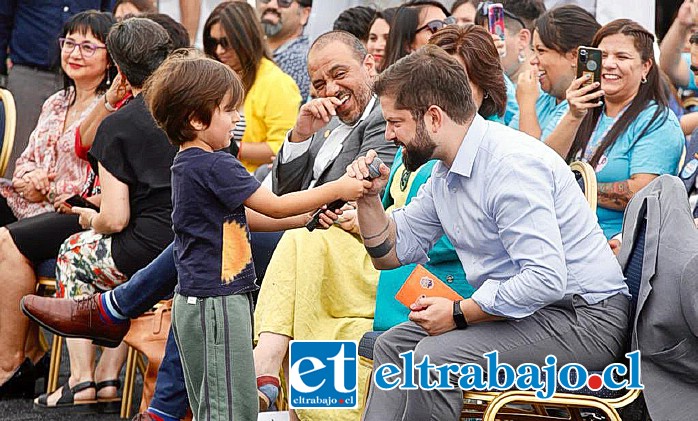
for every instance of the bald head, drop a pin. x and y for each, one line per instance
(355, 46)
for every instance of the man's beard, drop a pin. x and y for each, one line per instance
(420, 150)
(272, 29)
(361, 98)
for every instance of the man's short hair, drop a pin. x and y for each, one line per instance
(189, 86)
(179, 37)
(305, 3)
(355, 20)
(354, 44)
(429, 76)
(138, 46)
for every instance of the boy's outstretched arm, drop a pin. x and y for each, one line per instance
(261, 223)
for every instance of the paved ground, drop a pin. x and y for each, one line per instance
(21, 410)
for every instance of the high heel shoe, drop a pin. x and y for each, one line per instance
(21, 384)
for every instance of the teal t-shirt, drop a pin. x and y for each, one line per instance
(549, 113)
(657, 152)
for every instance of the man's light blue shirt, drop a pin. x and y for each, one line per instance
(518, 220)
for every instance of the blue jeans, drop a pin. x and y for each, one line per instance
(145, 289)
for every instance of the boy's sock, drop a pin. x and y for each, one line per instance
(159, 415)
(109, 310)
(269, 387)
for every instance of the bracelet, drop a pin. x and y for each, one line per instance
(107, 105)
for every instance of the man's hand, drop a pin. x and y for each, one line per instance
(359, 169)
(433, 314)
(313, 116)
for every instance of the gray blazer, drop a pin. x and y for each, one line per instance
(665, 327)
(296, 175)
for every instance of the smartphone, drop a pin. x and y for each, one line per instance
(495, 19)
(589, 63)
(80, 202)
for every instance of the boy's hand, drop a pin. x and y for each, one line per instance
(359, 169)
(351, 188)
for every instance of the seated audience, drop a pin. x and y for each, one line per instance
(233, 36)
(556, 36)
(412, 26)
(357, 21)
(546, 281)
(48, 172)
(378, 35)
(515, 50)
(132, 225)
(631, 136)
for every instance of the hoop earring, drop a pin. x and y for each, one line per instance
(108, 76)
(487, 95)
(644, 80)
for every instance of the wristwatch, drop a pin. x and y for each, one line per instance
(458, 316)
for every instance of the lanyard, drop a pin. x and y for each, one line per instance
(595, 141)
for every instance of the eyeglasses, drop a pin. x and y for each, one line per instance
(484, 7)
(87, 49)
(223, 42)
(434, 25)
(284, 4)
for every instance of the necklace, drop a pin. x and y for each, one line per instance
(404, 178)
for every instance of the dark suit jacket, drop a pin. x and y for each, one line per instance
(665, 327)
(690, 166)
(296, 175)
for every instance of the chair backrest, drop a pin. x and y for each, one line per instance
(8, 124)
(586, 176)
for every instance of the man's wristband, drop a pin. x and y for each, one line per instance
(458, 316)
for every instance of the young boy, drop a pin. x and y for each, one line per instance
(195, 101)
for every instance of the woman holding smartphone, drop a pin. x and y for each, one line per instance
(556, 36)
(630, 137)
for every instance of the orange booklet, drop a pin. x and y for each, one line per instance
(420, 283)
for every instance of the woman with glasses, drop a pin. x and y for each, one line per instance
(49, 171)
(233, 36)
(631, 136)
(556, 36)
(412, 26)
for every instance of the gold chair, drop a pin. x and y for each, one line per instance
(7, 134)
(588, 176)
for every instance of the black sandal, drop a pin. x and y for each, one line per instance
(109, 405)
(66, 403)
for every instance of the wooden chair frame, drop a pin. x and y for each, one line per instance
(589, 177)
(8, 136)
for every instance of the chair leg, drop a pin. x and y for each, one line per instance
(55, 365)
(129, 380)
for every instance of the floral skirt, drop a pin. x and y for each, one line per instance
(85, 266)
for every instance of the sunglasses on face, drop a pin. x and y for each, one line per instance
(483, 9)
(87, 49)
(694, 69)
(223, 42)
(434, 25)
(282, 3)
